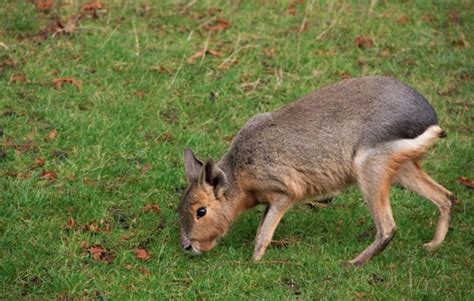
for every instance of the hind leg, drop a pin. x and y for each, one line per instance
(413, 178)
(374, 176)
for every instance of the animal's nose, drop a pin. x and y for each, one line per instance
(186, 243)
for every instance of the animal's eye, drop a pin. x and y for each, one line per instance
(201, 212)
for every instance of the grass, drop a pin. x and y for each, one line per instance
(120, 138)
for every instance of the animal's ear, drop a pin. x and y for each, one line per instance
(212, 175)
(192, 166)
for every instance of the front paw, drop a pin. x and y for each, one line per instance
(431, 246)
(258, 254)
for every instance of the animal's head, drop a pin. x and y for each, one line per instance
(202, 215)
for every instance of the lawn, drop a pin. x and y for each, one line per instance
(98, 101)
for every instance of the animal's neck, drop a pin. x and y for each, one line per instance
(236, 200)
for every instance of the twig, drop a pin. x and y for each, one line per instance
(137, 44)
(373, 3)
(188, 6)
(4, 45)
(176, 73)
(206, 44)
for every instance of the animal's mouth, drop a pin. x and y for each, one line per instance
(194, 251)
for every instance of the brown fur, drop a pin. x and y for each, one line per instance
(371, 131)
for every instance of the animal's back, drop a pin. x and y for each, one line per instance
(318, 135)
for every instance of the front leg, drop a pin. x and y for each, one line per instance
(270, 220)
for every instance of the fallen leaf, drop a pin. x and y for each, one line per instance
(161, 69)
(292, 6)
(71, 223)
(100, 254)
(40, 162)
(93, 5)
(152, 208)
(202, 53)
(364, 42)
(468, 183)
(58, 83)
(60, 27)
(52, 135)
(49, 176)
(18, 78)
(217, 25)
(142, 254)
(403, 20)
(214, 52)
(44, 4)
(195, 56)
(92, 227)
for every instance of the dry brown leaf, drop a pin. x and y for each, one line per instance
(44, 4)
(468, 183)
(142, 254)
(18, 78)
(292, 6)
(93, 5)
(52, 135)
(100, 254)
(71, 223)
(214, 52)
(195, 56)
(201, 53)
(58, 83)
(364, 42)
(60, 27)
(39, 162)
(217, 25)
(152, 208)
(403, 20)
(92, 227)
(49, 176)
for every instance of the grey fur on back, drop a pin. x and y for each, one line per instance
(328, 126)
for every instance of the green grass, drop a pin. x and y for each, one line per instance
(140, 103)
